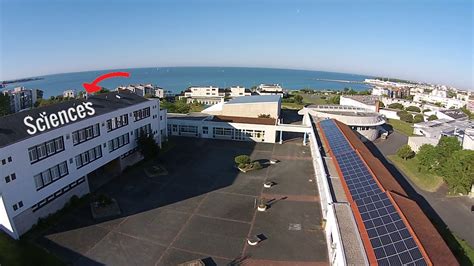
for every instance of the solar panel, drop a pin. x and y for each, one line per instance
(391, 240)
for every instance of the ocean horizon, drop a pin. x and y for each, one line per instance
(177, 79)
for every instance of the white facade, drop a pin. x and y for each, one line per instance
(238, 91)
(357, 101)
(32, 188)
(269, 89)
(69, 94)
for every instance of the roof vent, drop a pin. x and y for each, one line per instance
(118, 96)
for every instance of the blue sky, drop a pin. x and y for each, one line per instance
(420, 40)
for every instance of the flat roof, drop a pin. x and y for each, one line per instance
(423, 231)
(243, 120)
(255, 99)
(12, 128)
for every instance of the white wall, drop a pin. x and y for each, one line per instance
(351, 102)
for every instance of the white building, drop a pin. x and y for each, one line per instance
(249, 118)
(448, 114)
(162, 93)
(69, 94)
(269, 89)
(440, 97)
(237, 91)
(41, 172)
(366, 122)
(206, 95)
(22, 98)
(430, 132)
(139, 89)
(362, 101)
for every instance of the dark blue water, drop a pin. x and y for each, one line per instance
(178, 79)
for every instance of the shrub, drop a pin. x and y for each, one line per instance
(405, 152)
(147, 146)
(406, 117)
(426, 110)
(432, 117)
(263, 116)
(458, 171)
(381, 104)
(256, 165)
(396, 106)
(298, 99)
(413, 109)
(418, 118)
(427, 158)
(242, 160)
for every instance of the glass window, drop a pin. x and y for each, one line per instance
(38, 181)
(55, 173)
(50, 147)
(46, 177)
(33, 154)
(75, 137)
(41, 151)
(59, 144)
(63, 168)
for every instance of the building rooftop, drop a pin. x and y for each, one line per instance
(243, 120)
(12, 128)
(370, 182)
(365, 99)
(255, 99)
(454, 113)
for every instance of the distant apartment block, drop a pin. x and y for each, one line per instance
(269, 89)
(139, 89)
(438, 96)
(69, 94)
(213, 95)
(22, 98)
(41, 172)
(162, 93)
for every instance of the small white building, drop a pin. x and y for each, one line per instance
(69, 94)
(237, 91)
(86, 140)
(269, 89)
(205, 95)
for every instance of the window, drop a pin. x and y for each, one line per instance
(141, 114)
(20, 204)
(7, 179)
(117, 122)
(144, 130)
(88, 156)
(205, 130)
(46, 149)
(9, 159)
(13, 176)
(15, 207)
(50, 175)
(4, 161)
(119, 142)
(84, 134)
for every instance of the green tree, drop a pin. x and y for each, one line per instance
(432, 117)
(405, 116)
(458, 171)
(334, 100)
(428, 158)
(147, 146)
(298, 99)
(447, 146)
(381, 104)
(396, 106)
(418, 118)
(405, 152)
(413, 109)
(4, 104)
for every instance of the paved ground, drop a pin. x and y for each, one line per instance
(204, 208)
(454, 212)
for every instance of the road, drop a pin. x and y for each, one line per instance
(455, 212)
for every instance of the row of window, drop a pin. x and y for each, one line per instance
(144, 130)
(141, 114)
(85, 134)
(50, 175)
(4, 161)
(88, 156)
(56, 194)
(46, 149)
(18, 205)
(119, 142)
(10, 178)
(117, 122)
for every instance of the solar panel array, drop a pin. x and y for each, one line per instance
(391, 241)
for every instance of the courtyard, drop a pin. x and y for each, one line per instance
(204, 208)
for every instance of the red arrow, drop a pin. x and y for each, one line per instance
(92, 87)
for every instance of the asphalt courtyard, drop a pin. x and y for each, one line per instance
(203, 209)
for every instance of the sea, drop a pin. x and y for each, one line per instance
(177, 79)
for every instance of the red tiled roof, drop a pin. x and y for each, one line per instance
(425, 233)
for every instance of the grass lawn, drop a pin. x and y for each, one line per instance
(21, 252)
(409, 167)
(468, 258)
(294, 106)
(401, 126)
(308, 98)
